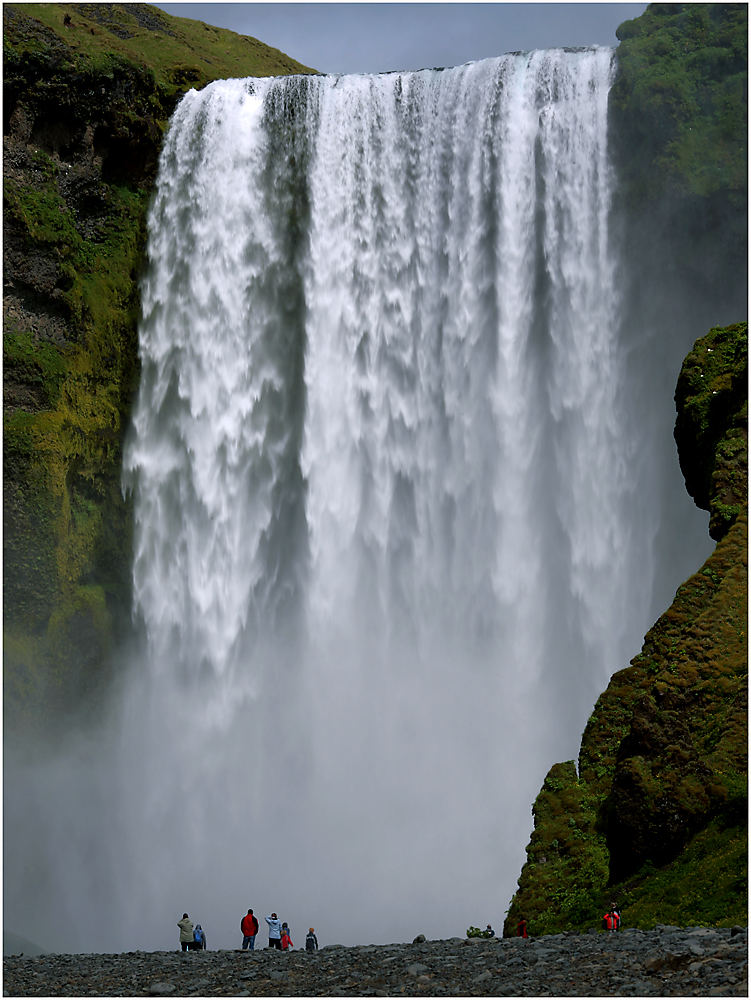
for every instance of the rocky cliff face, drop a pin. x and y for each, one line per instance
(88, 91)
(655, 815)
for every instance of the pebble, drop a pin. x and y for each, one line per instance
(667, 961)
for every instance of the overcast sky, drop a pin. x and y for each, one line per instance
(376, 37)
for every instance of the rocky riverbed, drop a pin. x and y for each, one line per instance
(668, 961)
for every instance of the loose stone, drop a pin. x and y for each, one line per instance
(668, 961)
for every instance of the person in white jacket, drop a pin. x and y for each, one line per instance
(275, 931)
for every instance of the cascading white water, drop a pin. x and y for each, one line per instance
(380, 367)
(387, 545)
(381, 471)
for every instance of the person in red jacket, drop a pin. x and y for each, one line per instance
(521, 928)
(286, 939)
(249, 927)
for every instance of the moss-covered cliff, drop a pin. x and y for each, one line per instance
(680, 98)
(679, 126)
(88, 91)
(655, 817)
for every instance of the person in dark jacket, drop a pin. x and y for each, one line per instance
(249, 927)
(311, 941)
(199, 939)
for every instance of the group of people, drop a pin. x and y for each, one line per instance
(193, 938)
(279, 934)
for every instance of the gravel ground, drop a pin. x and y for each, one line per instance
(667, 961)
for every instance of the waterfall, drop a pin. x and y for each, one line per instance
(390, 529)
(380, 373)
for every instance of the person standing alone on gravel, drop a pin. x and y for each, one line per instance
(275, 931)
(311, 941)
(249, 927)
(186, 932)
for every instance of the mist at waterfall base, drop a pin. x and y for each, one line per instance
(398, 502)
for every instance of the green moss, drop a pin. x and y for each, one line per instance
(678, 136)
(34, 363)
(43, 213)
(705, 885)
(179, 53)
(99, 90)
(657, 816)
(567, 864)
(711, 431)
(681, 89)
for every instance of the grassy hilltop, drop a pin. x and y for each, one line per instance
(177, 50)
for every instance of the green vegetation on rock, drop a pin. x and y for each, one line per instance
(656, 816)
(712, 427)
(567, 863)
(179, 52)
(88, 91)
(681, 93)
(678, 122)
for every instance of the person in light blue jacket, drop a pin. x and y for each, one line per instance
(275, 931)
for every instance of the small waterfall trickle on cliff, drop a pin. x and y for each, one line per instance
(391, 537)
